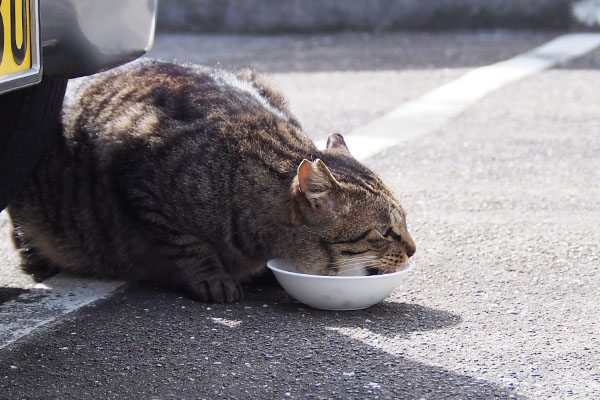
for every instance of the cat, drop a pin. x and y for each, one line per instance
(192, 178)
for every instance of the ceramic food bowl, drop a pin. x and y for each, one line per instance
(335, 292)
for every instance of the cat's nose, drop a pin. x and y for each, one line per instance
(409, 246)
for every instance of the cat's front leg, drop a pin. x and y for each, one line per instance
(214, 290)
(198, 270)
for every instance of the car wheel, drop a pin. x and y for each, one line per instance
(28, 119)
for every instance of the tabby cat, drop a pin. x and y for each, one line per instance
(193, 178)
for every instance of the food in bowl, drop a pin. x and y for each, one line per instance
(339, 292)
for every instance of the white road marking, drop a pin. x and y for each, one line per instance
(47, 302)
(63, 294)
(434, 109)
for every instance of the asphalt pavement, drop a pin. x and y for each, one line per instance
(302, 16)
(503, 202)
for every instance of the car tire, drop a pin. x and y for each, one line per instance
(28, 120)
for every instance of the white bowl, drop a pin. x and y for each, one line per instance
(335, 292)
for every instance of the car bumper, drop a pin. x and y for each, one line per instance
(83, 37)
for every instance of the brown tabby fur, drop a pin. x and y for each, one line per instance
(194, 178)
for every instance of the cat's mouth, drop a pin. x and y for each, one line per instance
(379, 271)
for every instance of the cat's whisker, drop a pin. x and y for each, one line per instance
(355, 264)
(354, 267)
(357, 258)
(364, 264)
(353, 260)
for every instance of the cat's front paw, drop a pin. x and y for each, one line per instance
(217, 290)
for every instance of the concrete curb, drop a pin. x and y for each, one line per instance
(279, 16)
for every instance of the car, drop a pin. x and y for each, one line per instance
(45, 43)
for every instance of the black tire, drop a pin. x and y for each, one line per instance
(28, 120)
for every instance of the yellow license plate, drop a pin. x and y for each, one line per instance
(20, 63)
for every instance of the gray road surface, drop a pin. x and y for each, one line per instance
(503, 203)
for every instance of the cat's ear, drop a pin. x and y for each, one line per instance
(315, 180)
(314, 189)
(336, 142)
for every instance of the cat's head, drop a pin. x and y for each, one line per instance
(346, 217)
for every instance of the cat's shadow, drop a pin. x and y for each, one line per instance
(10, 293)
(366, 346)
(266, 338)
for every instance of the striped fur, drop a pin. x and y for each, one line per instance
(193, 178)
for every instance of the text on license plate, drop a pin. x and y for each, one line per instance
(15, 38)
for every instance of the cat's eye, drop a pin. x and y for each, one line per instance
(387, 233)
(381, 231)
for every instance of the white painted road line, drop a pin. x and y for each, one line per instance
(48, 302)
(64, 294)
(434, 109)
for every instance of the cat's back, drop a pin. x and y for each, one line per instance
(150, 101)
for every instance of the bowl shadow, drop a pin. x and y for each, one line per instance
(389, 318)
